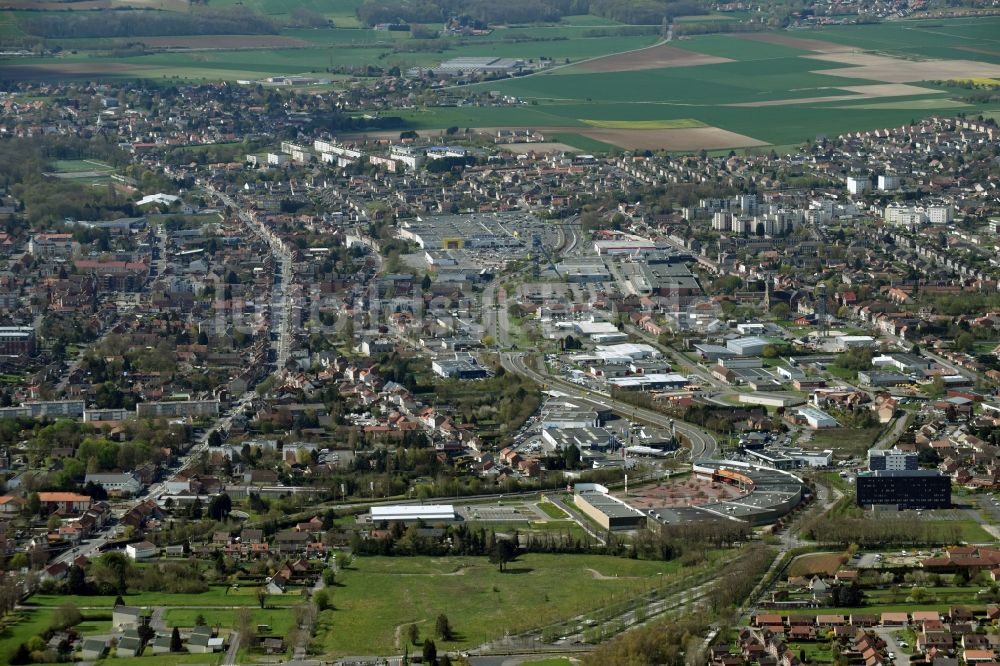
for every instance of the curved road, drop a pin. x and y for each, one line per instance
(703, 444)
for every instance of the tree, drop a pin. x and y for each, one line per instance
(76, 580)
(425, 284)
(244, 625)
(443, 627)
(21, 656)
(965, 342)
(322, 600)
(503, 551)
(262, 596)
(199, 620)
(215, 439)
(430, 652)
(175, 640)
(780, 310)
(34, 504)
(196, 508)
(67, 615)
(220, 506)
(413, 634)
(571, 454)
(19, 561)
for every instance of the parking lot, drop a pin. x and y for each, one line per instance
(499, 514)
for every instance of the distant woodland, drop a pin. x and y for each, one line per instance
(523, 11)
(148, 24)
(202, 20)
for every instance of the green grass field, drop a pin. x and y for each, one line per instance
(679, 123)
(214, 597)
(19, 627)
(280, 620)
(552, 511)
(380, 594)
(80, 166)
(971, 531)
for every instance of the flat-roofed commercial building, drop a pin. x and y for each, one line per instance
(607, 511)
(400, 513)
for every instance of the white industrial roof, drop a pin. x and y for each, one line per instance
(414, 512)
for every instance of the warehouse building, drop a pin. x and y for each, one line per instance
(607, 511)
(816, 418)
(431, 514)
(750, 346)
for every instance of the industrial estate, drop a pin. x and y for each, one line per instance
(375, 333)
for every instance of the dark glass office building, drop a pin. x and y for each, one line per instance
(904, 489)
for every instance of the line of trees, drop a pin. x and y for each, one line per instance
(867, 533)
(438, 11)
(642, 12)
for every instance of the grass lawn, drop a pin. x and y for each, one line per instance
(818, 652)
(215, 596)
(931, 595)
(94, 622)
(77, 166)
(279, 619)
(19, 627)
(971, 531)
(380, 594)
(552, 511)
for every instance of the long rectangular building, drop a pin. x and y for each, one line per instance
(171, 408)
(411, 513)
(607, 511)
(45, 408)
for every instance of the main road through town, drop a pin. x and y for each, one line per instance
(703, 444)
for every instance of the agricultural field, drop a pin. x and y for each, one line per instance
(801, 85)
(607, 88)
(377, 597)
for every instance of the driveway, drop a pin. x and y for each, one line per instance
(902, 659)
